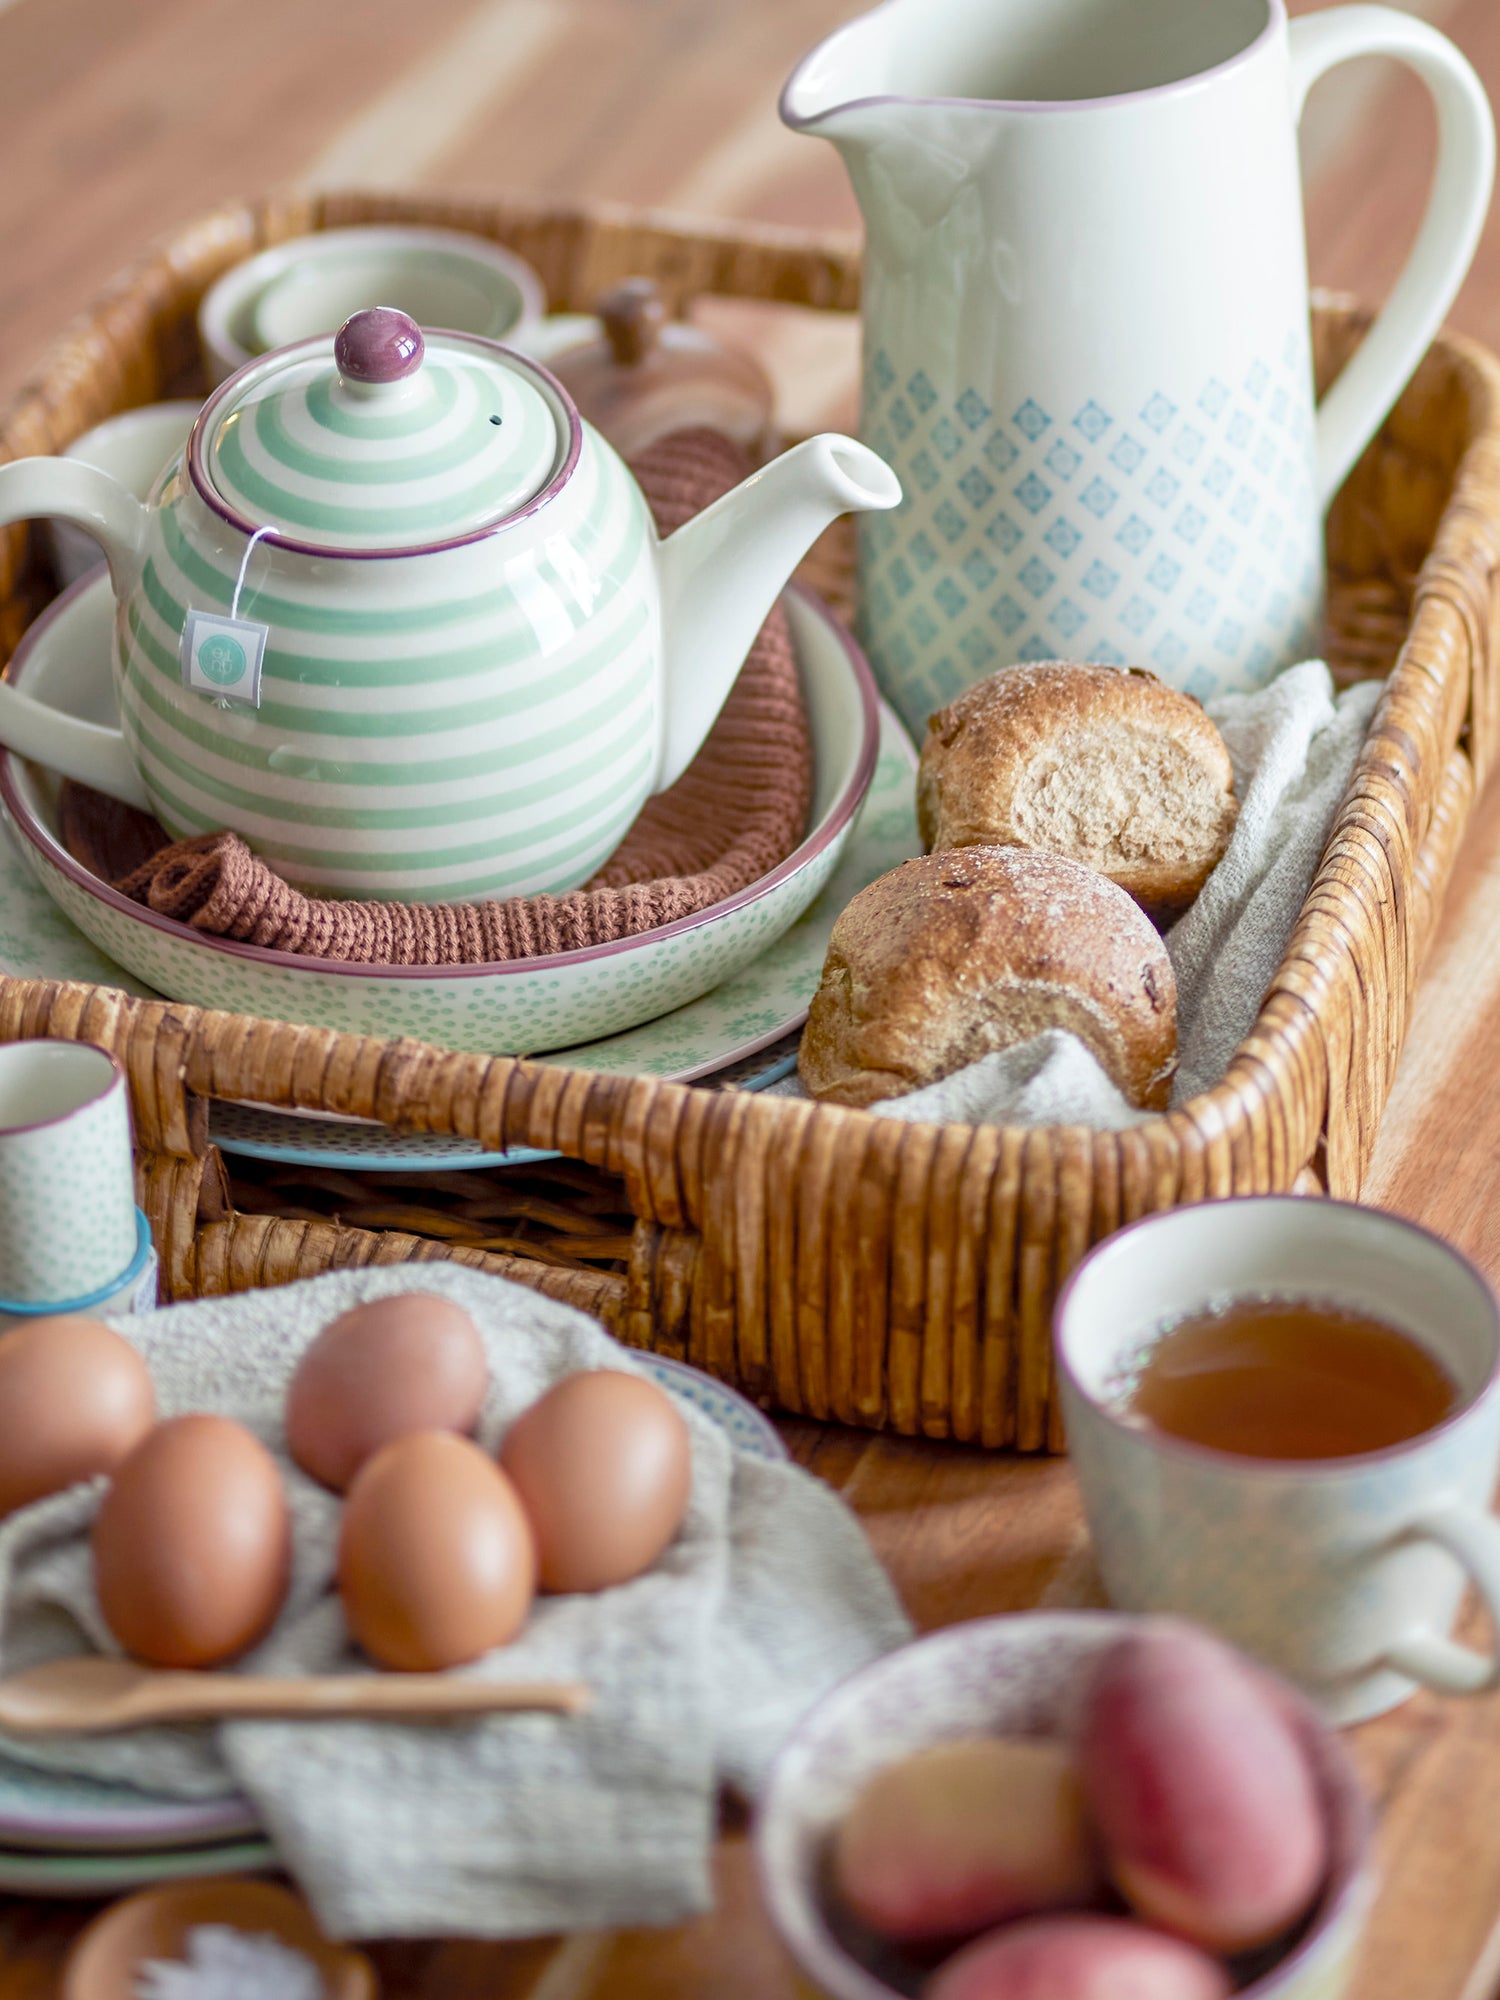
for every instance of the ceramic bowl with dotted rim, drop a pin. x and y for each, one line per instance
(578, 1001)
(1010, 1676)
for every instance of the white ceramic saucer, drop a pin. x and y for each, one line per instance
(527, 1005)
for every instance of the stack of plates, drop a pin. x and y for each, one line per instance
(638, 1008)
(67, 1836)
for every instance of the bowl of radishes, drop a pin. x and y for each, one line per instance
(1066, 1806)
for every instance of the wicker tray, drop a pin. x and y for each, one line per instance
(830, 1263)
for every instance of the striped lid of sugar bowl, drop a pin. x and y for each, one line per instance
(382, 438)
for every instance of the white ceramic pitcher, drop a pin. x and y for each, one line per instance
(1087, 350)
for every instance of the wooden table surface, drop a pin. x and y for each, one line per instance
(119, 121)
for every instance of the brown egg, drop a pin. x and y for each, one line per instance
(436, 1563)
(409, 1362)
(192, 1544)
(604, 1468)
(74, 1399)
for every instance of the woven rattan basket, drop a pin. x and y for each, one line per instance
(830, 1263)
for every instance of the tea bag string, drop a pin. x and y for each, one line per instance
(239, 581)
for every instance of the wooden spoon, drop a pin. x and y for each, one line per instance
(88, 1694)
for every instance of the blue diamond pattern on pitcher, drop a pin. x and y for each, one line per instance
(1000, 452)
(1158, 413)
(1068, 619)
(1137, 614)
(978, 567)
(1004, 533)
(1092, 421)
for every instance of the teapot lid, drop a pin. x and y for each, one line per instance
(383, 440)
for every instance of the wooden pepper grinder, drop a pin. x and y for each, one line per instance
(649, 375)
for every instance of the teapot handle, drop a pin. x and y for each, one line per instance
(101, 507)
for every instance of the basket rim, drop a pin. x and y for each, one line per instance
(827, 277)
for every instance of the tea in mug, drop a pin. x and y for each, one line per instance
(1288, 1379)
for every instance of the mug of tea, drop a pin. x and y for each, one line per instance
(69, 1228)
(1284, 1415)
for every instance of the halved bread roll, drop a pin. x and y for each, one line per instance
(1108, 766)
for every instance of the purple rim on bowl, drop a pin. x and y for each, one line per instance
(829, 828)
(965, 1680)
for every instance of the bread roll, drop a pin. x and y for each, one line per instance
(955, 955)
(1110, 767)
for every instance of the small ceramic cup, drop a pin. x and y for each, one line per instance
(310, 285)
(68, 1223)
(134, 1291)
(135, 447)
(1018, 1676)
(1345, 1574)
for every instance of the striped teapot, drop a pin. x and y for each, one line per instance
(401, 619)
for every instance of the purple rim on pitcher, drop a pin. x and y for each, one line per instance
(1276, 21)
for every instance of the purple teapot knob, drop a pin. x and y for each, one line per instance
(377, 345)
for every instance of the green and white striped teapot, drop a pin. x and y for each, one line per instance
(400, 618)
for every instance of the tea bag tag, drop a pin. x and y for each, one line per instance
(222, 656)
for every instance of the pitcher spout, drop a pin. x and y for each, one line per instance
(722, 571)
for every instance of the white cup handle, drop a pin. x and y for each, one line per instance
(1359, 401)
(1474, 1539)
(79, 493)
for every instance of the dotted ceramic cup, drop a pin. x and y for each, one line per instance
(68, 1223)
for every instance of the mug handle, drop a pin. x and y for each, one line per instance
(1361, 398)
(79, 493)
(1474, 1539)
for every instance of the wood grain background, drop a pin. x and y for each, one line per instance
(122, 118)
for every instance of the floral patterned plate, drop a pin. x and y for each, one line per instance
(520, 1005)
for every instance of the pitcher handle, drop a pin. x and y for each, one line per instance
(1473, 1539)
(88, 751)
(1358, 402)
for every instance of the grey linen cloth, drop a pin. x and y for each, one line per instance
(1293, 746)
(506, 1825)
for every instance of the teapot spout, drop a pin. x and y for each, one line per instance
(721, 572)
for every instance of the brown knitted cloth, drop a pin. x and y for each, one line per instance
(735, 813)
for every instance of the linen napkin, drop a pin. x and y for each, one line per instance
(506, 1825)
(1293, 746)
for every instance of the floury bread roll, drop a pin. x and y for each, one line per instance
(957, 954)
(1106, 765)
